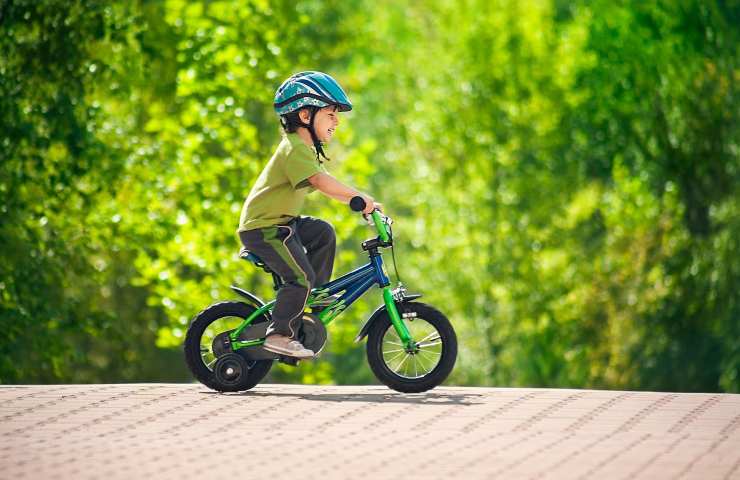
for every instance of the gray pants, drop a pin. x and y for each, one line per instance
(281, 248)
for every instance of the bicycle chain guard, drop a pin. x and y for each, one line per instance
(312, 333)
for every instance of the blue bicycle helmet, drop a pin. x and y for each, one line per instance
(314, 90)
(310, 89)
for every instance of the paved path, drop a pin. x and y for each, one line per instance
(311, 432)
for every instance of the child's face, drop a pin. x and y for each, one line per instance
(325, 123)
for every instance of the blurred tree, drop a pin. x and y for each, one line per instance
(563, 174)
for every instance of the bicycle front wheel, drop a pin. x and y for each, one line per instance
(422, 367)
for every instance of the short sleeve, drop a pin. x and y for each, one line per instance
(299, 166)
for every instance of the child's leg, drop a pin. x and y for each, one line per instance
(319, 239)
(281, 250)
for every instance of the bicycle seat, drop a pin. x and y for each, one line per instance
(247, 255)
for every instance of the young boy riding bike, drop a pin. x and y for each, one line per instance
(271, 226)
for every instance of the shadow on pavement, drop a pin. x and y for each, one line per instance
(430, 398)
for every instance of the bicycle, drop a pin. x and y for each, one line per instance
(411, 346)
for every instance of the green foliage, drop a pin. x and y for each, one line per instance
(563, 176)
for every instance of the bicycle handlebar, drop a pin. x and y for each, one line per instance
(358, 204)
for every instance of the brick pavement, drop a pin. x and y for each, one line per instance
(326, 432)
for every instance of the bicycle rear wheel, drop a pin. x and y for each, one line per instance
(202, 349)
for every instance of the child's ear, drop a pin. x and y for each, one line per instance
(304, 114)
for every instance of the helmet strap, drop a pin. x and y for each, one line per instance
(316, 142)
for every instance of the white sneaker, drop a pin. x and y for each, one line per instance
(283, 345)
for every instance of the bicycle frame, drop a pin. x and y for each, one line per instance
(354, 284)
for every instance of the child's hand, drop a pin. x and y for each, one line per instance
(369, 205)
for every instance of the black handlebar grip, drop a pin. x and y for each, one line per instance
(357, 204)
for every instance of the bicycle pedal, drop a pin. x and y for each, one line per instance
(292, 361)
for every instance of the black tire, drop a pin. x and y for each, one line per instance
(194, 359)
(436, 374)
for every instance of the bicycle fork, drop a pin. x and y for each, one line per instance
(396, 320)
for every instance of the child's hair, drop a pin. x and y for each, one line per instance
(292, 121)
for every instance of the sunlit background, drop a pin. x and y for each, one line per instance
(563, 177)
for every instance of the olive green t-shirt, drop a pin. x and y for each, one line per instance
(280, 190)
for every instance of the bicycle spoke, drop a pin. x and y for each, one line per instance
(433, 358)
(407, 365)
(422, 345)
(398, 367)
(391, 334)
(395, 357)
(427, 337)
(424, 367)
(430, 352)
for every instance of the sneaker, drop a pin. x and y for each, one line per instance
(283, 345)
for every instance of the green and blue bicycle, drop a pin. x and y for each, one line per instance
(411, 346)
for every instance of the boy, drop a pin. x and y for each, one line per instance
(270, 226)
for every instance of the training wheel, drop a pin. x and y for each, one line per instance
(231, 371)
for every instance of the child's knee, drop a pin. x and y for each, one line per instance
(327, 231)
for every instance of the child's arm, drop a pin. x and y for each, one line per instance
(331, 187)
